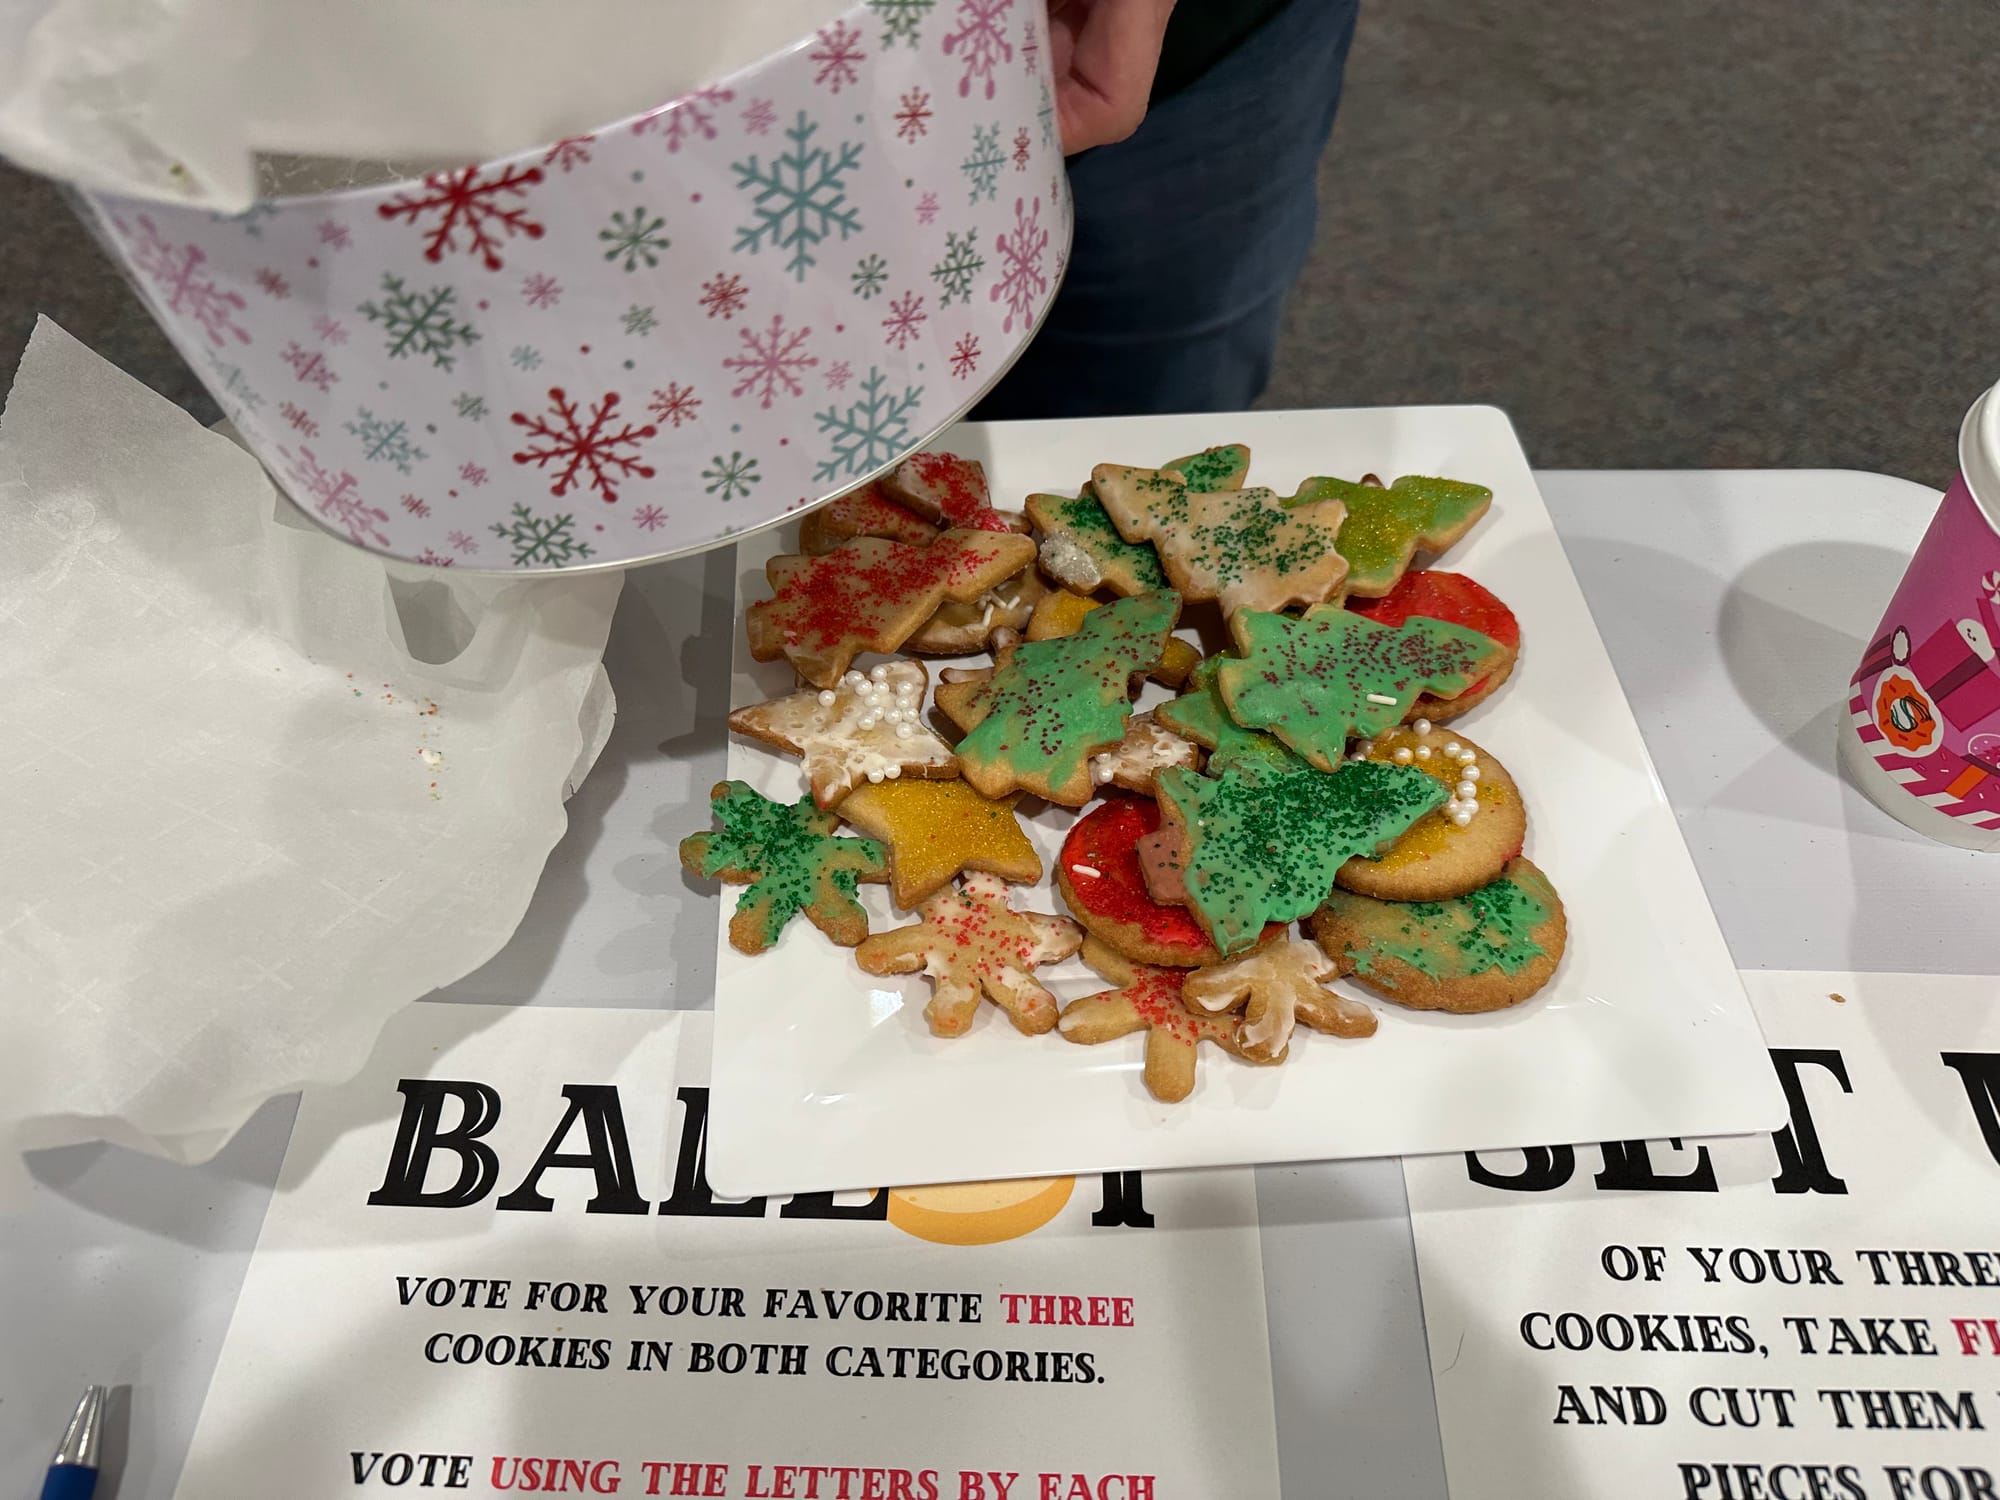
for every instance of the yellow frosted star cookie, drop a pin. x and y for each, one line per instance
(935, 829)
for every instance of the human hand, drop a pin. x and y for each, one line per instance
(1105, 53)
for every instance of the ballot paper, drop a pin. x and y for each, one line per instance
(258, 788)
(1813, 1315)
(494, 1263)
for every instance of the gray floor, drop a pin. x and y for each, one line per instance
(1680, 233)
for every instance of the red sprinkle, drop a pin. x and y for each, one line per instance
(959, 485)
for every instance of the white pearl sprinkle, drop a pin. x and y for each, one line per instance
(826, 697)
(1099, 771)
(904, 731)
(1461, 817)
(876, 773)
(1470, 806)
(1452, 747)
(1421, 726)
(879, 672)
(1470, 773)
(1467, 789)
(868, 720)
(893, 772)
(1357, 757)
(1423, 752)
(1363, 750)
(1402, 755)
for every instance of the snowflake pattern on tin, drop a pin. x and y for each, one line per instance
(839, 218)
(770, 360)
(800, 198)
(481, 206)
(576, 444)
(839, 56)
(980, 39)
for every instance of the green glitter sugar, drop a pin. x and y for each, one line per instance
(786, 851)
(1490, 928)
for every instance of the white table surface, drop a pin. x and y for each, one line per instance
(1734, 604)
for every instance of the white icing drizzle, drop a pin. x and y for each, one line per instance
(868, 727)
(1146, 748)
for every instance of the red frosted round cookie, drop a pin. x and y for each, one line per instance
(1099, 877)
(1458, 600)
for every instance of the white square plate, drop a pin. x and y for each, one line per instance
(826, 1077)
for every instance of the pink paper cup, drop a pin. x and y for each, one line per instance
(1923, 731)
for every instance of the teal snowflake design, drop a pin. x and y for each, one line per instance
(639, 320)
(548, 541)
(1045, 113)
(251, 220)
(800, 199)
(962, 262)
(900, 19)
(525, 357)
(871, 274)
(730, 477)
(984, 161)
(469, 406)
(385, 442)
(419, 322)
(233, 385)
(870, 431)
(634, 237)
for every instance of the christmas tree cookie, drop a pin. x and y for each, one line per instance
(1317, 681)
(1246, 549)
(1460, 600)
(1385, 527)
(1486, 950)
(871, 594)
(866, 511)
(1199, 714)
(1263, 839)
(1082, 550)
(1059, 612)
(790, 860)
(1149, 999)
(970, 942)
(1051, 705)
(949, 491)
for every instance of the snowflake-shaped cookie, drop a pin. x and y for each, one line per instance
(1282, 985)
(1149, 999)
(970, 942)
(791, 861)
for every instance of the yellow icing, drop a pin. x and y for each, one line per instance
(1432, 834)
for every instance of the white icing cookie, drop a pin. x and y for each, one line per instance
(1283, 985)
(1146, 748)
(864, 728)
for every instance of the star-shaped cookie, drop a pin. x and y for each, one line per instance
(1246, 549)
(1317, 681)
(870, 594)
(1279, 986)
(865, 728)
(971, 942)
(1148, 999)
(936, 829)
(1385, 527)
(791, 861)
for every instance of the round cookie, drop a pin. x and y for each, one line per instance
(1099, 878)
(1459, 600)
(1483, 951)
(1457, 848)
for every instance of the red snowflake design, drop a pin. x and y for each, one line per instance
(913, 119)
(982, 33)
(927, 208)
(649, 517)
(723, 296)
(299, 417)
(182, 284)
(838, 374)
(1031, 44)
(462, 541)
(684, 118)
(1022, 280)
(416, 505)
(472, 475)
(570, 151)
(759, 117)
(433, 558)
(463, 200)
(769, 361)
(274, 284)
(1021, 149)
(333, 495)
(839, 56)
(333, 234)
(905, 320)
(330, 330)
(540, 290)
(310, 366)
(674, 403)
(584, 444)
(965, 356)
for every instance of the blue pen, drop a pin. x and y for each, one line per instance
(73, 1471)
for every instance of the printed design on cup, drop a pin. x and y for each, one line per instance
(652, 336)
(1925, 701)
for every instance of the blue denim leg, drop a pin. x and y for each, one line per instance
(1189, 235)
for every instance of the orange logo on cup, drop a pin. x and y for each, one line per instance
(1904, 715)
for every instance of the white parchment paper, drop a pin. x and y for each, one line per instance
(257, 789)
